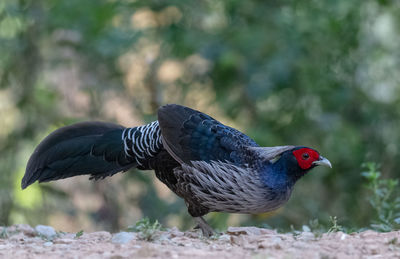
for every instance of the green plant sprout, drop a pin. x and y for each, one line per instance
(146, 229)
(384, 199)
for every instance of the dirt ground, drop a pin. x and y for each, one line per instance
(23, 241)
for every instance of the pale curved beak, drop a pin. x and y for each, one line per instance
(323, 161)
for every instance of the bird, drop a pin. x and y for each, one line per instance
(211, 166)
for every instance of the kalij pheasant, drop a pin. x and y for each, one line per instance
(211, 166)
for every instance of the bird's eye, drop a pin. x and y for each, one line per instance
(306, 156)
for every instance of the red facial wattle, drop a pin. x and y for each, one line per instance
(305, 157)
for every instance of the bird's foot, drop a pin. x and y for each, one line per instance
(205, 228)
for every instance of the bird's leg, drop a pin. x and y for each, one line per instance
(203, 225)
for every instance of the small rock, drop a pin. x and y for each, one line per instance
(243, 242)
(48, 244)
(26, 229)
(6, 246)
(300, 245)
(250, 247)
(123, 237)
(163, 237)
(64, 241)
(250, 231)
(188, 244)
(306, 228)
(62, 246)
(244, 231)
(306, 236)
(368, 234)
(224, 237)
(239, 240)
(174, 232)
(191, 234)
(264, 244)
(20, 237)
(46, 231)
(374, 250)
(98, 236)
(271, 242)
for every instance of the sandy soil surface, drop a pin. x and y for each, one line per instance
(22, 241)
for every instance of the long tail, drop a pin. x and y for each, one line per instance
(96, 148)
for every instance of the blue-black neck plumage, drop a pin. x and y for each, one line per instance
(281, 174)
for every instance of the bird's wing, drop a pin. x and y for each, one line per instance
(190, 135)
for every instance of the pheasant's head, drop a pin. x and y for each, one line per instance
(307, 158)
(285, 165)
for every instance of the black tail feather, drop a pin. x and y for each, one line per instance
(94, 148)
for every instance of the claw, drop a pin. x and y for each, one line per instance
(205, 228)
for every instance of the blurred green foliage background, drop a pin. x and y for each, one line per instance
(319, 73)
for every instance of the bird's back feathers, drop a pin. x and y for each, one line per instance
(190, 135)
